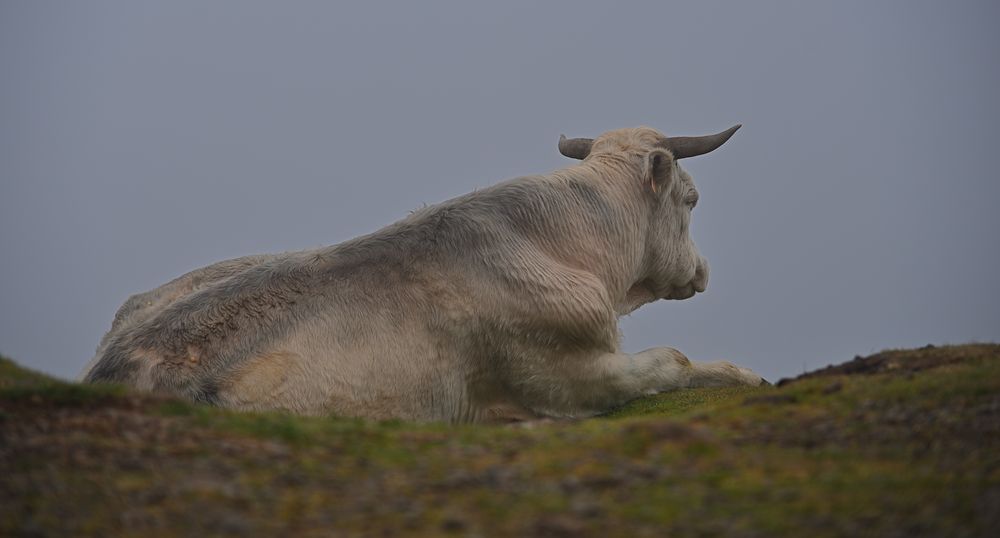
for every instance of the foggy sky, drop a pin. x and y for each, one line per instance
(856, 210)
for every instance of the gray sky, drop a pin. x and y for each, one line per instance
(856, 210)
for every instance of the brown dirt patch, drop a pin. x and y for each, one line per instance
(902, 361)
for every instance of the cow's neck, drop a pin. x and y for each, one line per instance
(614, 248)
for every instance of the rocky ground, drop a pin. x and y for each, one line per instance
(902, 443)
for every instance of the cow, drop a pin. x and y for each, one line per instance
(500, 305)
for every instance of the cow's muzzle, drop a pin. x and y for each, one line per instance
(700, 280)
(697, 284)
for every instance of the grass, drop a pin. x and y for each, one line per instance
(907, 444)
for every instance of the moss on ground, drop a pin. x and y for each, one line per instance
(903, 443)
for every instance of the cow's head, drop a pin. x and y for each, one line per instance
(672, 268)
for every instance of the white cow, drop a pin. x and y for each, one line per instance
(494, 306)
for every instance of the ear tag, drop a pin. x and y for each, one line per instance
(652, 184)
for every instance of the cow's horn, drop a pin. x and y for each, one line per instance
(692, 146)
(575, 148)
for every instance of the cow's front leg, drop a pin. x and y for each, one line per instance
(673, 370)
(722, 374)
(601, 382)
(589, 385)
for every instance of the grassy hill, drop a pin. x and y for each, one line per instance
(903, 443)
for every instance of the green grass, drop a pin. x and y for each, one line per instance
(678, 403)
(12, 375)
(907, 452)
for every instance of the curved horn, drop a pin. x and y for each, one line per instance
(692, 146)
(575, 148)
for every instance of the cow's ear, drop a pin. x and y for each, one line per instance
(659, 170)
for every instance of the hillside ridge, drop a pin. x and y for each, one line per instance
(903, 442)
